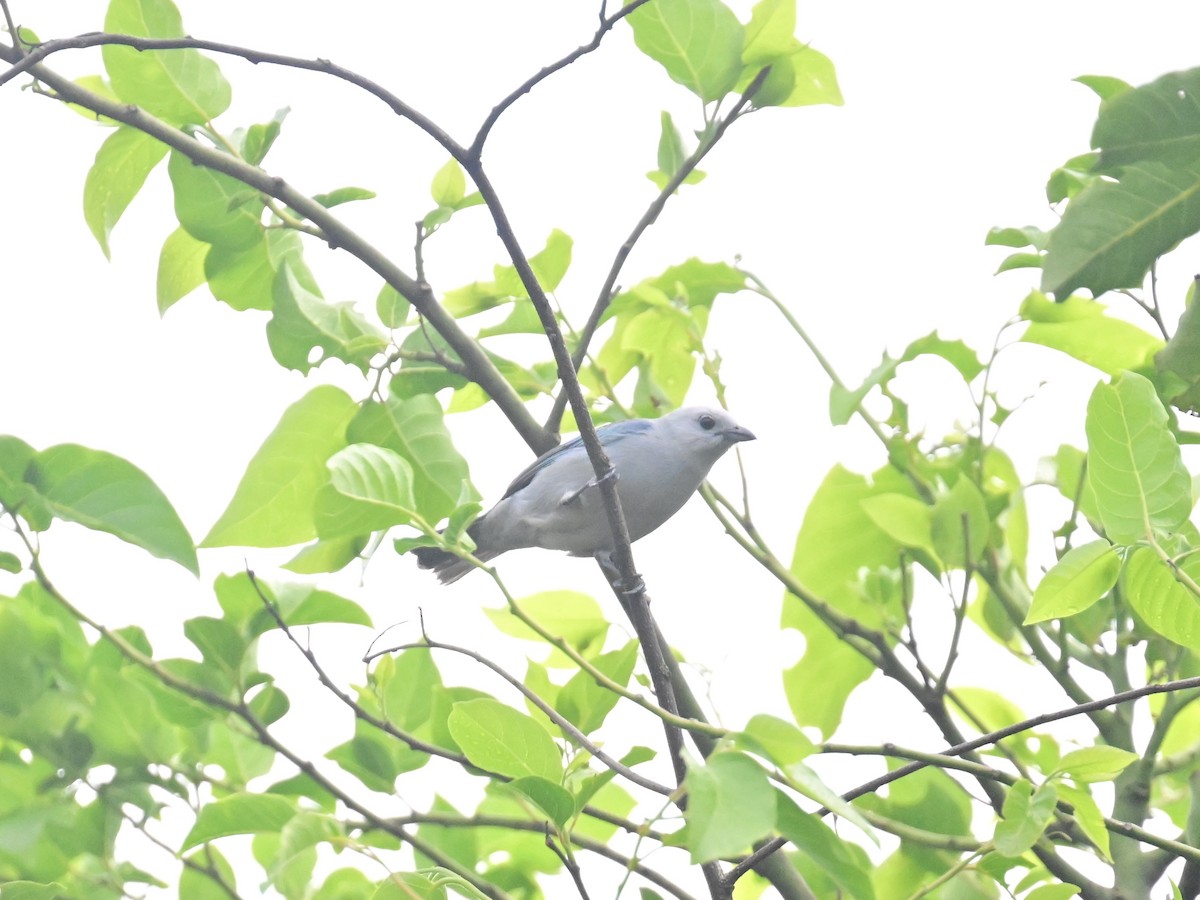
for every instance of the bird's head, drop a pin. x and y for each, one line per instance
(705, 432)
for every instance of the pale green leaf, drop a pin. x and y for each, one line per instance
(1157, 596)
(449, 185)
(730, 806)
(306, 329)
(415, 429)
(180, 268)
(122, 164)
(1079, 328)
(1025, 815)
(820, 844)
(106, 493)
(1134, 466)
(370, 490)
(698, 42)
(960, 524)
(213, 207)
(906, 520)
(585, 703)
(181, 86)
(573, 616)
(1091, 764)
(273, 504)
(1088, 815)
(779, 741)
(551, 798)
(239, 814)
(500, 739)
(1084, 575)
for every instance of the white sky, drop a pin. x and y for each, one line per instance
(868, 220)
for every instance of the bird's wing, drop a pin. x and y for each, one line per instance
(608, 434)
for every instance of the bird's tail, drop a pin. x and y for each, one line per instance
(448, 567)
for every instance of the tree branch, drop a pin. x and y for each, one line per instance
(649, 217)
(337, 234)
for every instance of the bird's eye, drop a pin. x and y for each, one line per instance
(707, 422)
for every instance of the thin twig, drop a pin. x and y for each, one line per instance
(606, 24)
(649, 217)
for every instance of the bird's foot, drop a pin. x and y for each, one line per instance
(610, 475)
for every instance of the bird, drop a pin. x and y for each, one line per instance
(556, 504)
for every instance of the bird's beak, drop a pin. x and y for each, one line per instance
(738, 433)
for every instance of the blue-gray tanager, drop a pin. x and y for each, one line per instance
(556, 502)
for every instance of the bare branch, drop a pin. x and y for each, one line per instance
(337, 233)
(606, 24)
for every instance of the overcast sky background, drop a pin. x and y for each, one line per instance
(867, 220)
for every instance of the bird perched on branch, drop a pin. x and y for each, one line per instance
(556, 502)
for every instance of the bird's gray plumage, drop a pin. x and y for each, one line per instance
(556, 504)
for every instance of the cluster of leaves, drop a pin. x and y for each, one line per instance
(100, 737)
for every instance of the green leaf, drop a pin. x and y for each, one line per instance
(180, 268)
(730, 806)
(181, 86)
(1158, 597)
(273, 503)
(573, 616)
(960, 524)
(406, 684)
(343, 195)
(9, 562)
(1104, 86)
(244, 278)
(303, 604)
(305, 323)
(1091, 764)
(670, 147)
(239, 814)
(583, 702)
(1026, 813)
(327, 556)
(370, 490)
(836, 541)
(1029, 236)
(415, 429)
(1159, 120)
(124, 160)
(552, 799)
(1112, 232)
(698, 42)
(449, 184)
(1088, 815)
(843, 402)
(500, 739)
(804, 780)
(906, 520)
(106, 493)
(256, 141)
(1134, 466)
(269, 704)
(15, 493)
(1079, 328)
(392, 308)
(30, 890)
(212, 207)
(806, 77)
(820, 844)
(1180, 359)
(773, 738)
(770, 33)
(1079, 579)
